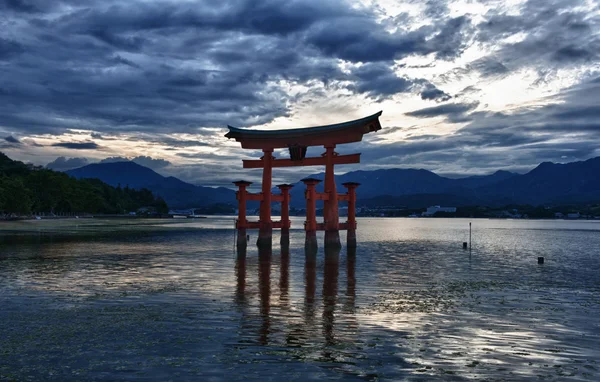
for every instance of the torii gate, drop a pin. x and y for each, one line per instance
(297, 141)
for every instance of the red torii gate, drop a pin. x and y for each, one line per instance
(297, 141)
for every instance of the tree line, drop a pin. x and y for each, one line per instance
(26, 189)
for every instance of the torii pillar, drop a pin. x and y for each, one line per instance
(242, 223)
(351, 238)
(285, 214)
(310, 226)
(265, 230)
(330, 206)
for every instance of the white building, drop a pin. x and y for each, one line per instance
(433, 209)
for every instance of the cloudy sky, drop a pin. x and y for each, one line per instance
(466, 87)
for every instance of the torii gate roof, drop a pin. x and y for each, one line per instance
(345, 132)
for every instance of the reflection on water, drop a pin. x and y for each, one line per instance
(166, 301)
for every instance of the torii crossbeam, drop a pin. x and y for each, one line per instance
(297, 141)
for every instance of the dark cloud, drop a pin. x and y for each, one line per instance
(64, 164)
(163, 66)
(144, 71)
(18, 5)
(434, 94)
(178, 66)
(452, 40)
(9, 48)
(436, 9)
(146, 161)
(566, 131)
(583, 112)
(30, 142)
(153, 163)
(114, 160)
(554, 34)
(572, 53)
(378, 80)
(488, 67)
(77, 145)
(452, 109)
(11, 139)
(360, 39)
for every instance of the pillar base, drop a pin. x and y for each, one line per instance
(332, 255)
(241, 252)
(310, 244)
(264, 254)
(351, 239)
(265, 237)
(332, 239)
(351, 253)
(310, 255)
(242, 239)
(285, 237)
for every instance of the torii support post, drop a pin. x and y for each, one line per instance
(330, 209)
(351, 237)
(285, 214)
(242, 222)
(265, 231)
(310, 244)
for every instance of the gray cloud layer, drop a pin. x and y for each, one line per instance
(560, 132)
(112, 65)
(162, 67)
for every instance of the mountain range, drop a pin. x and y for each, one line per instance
(548, 183)
(177, 193)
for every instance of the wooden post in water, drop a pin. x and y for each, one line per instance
(330, 205)
(310, 225)
(265, 230)
(285, 213)
(242, 222)
(351, 238)
(469, 235)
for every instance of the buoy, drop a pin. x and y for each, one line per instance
(541, 260)
(464, 245)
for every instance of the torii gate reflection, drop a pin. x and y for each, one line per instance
(272, 325)
(297, 141)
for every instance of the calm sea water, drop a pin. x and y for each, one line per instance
(171, 300)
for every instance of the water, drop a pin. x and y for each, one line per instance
(170, 300)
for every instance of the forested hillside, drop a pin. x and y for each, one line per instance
(26, 189)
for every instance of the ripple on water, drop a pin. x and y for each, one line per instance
(162, 300)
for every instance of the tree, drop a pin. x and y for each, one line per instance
(15, 197)
(23, 189)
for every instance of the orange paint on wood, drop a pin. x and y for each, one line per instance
(256, 197)
(311, 205)
(330, 208)
(311, 161)
(241, 195)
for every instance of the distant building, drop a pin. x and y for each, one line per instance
(575, 215)
(181, 212)
(433, 209)
(559, 215)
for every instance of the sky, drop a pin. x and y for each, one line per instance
(466, 87)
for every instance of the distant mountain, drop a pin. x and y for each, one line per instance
(402, 182)
(549, 183)
(177, 193)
